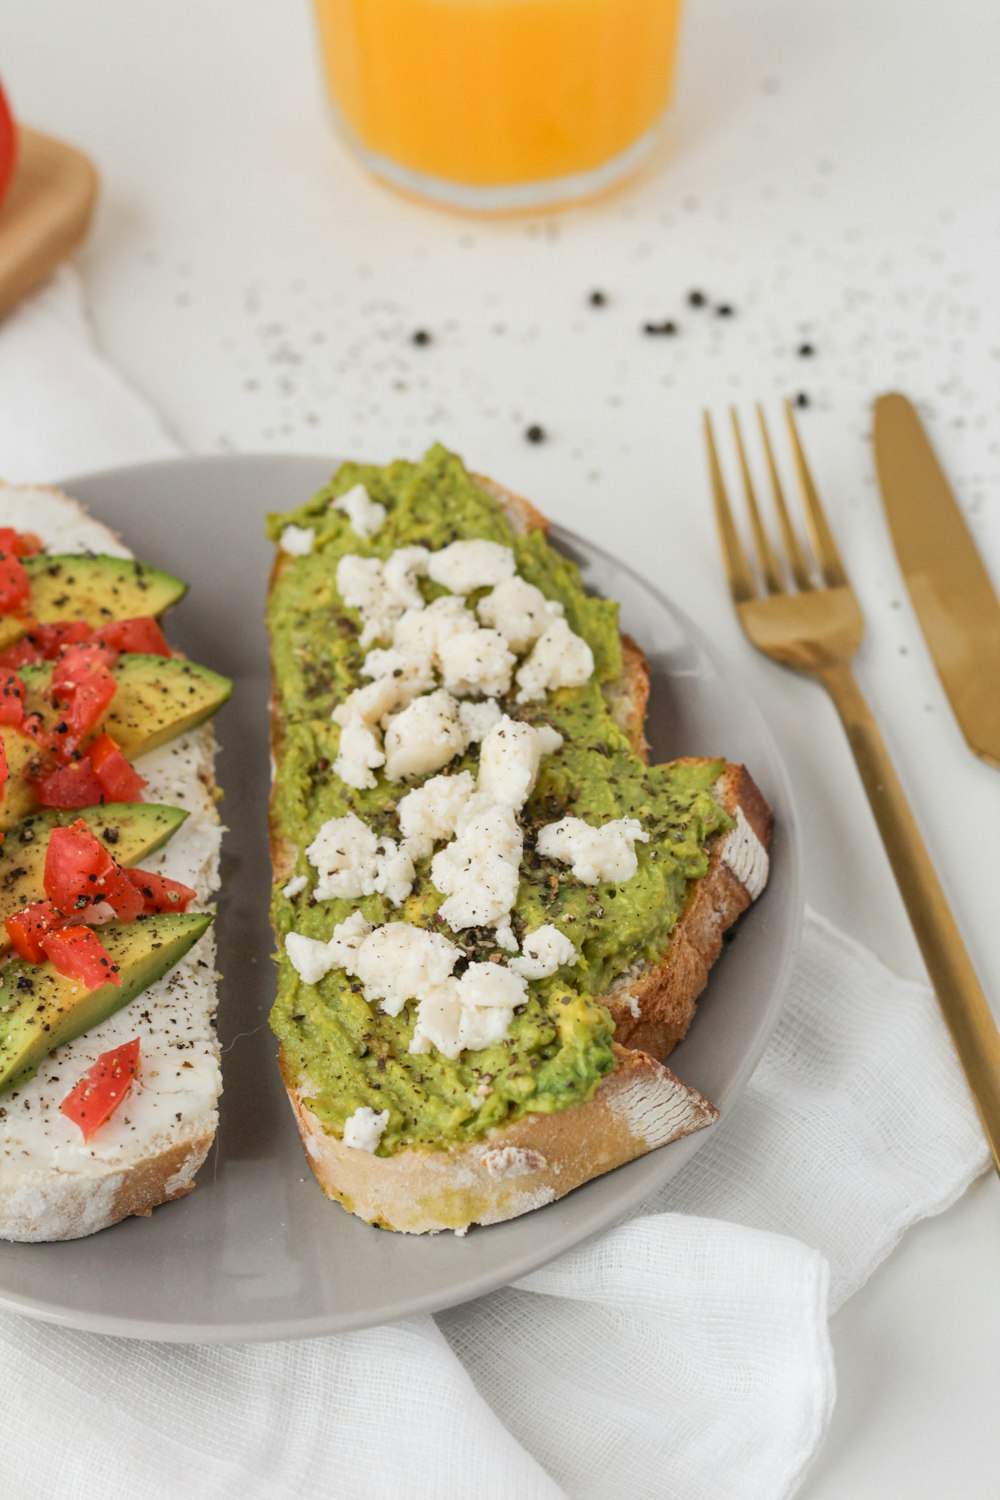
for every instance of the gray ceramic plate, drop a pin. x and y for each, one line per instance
(258, 1252)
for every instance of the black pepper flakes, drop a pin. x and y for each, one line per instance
(696, 299)
(598, 299)
(420, 337)
(801, 399)
(655, 330)
(806, 351)
(535, 434)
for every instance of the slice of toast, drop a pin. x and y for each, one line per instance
(53, 1185)
(637, 1107)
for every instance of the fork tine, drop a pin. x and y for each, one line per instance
(737, 569)
(765, 552)
(820, 534)
(793, 547)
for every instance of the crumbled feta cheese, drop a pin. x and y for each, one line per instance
(381, 591)
(360, 583)
(419, 632)
(543, 952)
(632, 1001)
(594, 854)
(310, 958)
(365, 514)
(445, 1022)
(358, 755)
(505, 936)
(424, 737)
(344, 856)
(295, 885)
(492, 985)
(297, 541)
(409, 674)
(401, 570)
(464, 566)
(430, 812)
(479, 718)
(347, 939)
(509, 758)
(519, 610)
(364, 1129)
(480, 869)
(394, 873)
(476, 662)
(400, 962)
(558, 659)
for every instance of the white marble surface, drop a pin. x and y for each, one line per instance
(831, 171)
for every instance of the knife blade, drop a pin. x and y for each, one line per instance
(951, 591)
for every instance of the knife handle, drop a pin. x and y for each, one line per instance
(960, 995)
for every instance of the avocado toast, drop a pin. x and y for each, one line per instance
(490, 910)
(78, 1151)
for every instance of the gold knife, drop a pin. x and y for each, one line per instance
(951, 591)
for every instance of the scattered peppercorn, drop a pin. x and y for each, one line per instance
(802, 399)
(598, 299)
(660, 328)
(697, 299)
(725, 310)
(535, 434)
(420, 337)
(806, 351)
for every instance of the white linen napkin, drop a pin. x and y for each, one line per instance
(684, 1353)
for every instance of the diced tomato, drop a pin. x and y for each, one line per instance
(4, 768)
(76, 867)
(74, 785)
(24, 653)
(121, 781)
(21, 543)
(142, 634)
(124, 898)
(159, 893)
(11, 700)
(83, 688)
(79, 954)
(102, 1088)
(14, 587)
(27, 928)
(54, 638)
(78, 664)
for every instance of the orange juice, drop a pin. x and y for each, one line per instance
(490, 94)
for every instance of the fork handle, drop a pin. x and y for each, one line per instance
(960, 995)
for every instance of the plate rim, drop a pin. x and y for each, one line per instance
(435, 1300)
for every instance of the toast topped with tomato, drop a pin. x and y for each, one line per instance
(109, 1061)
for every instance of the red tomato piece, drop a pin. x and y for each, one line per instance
(11, 700)
(80, 663)
(24, 653)
(27, 928)
(76, 866)
(124, 898)
(142, 634)
(14, 588)
(102, 1088)
(83, 688)
(4, 768)
(74, 785)
(160, 893)
(79, 954)
(8, 143)
(120, 780)
(53, 639)
(21, 543)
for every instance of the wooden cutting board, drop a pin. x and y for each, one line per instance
(45, 214)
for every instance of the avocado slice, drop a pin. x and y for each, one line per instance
(40, 1009)
(131, 830)
(158, 698)
(91, 587)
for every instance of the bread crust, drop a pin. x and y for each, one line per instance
(49, 1205)
(636, 1108)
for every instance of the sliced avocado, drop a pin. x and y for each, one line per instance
(131, 830)
(158, 698)
(90, 587)
(40, 1009)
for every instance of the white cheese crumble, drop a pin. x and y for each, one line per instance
(351, 862)
(364, 1129)
(509, 759)
(311, 958)
(359, 754)
(543, 952)
(419, 632)
(476, 662)
(519, 610)
(297, 541)
(464, 566)
(365, 514)
(425, 736)
(594, 854)
(559, 658)
(480, 869)
(429, 813)
(400, 962)
(380, 591)
(632, 1003)
(479, 718)
(297, 884)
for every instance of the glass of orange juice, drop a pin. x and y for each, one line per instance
(499, 105)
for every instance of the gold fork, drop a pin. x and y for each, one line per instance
(808, 617)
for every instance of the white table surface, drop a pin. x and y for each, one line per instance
(832, 172)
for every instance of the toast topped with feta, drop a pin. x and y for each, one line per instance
(493, 915)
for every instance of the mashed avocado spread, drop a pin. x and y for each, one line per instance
(559, 1045)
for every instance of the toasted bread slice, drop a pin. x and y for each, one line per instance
(637, 1107)
(53, 1185)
